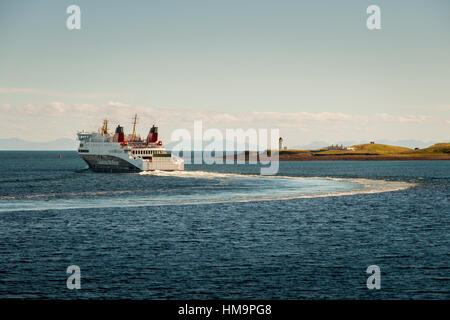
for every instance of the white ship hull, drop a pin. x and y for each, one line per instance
(101, 163)
(108, 156)
(114, 163)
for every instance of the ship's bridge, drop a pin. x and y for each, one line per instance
(84, 136)
(92, 137)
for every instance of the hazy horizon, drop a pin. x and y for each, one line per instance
(68, 144)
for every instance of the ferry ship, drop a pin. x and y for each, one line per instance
(115, 152)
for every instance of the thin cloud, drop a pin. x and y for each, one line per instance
(35, 91)
(438, 107)
(63, 120)
(400, 119)
(122, 111)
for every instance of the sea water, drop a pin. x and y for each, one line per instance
(224, 231)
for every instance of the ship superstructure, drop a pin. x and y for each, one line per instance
(115, 152)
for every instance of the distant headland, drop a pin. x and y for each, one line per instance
(363, 152)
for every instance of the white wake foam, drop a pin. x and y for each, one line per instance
(285, 188)
(195, 174)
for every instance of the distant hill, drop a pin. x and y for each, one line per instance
(438, 148)
(368, 149)
(369, 152)
(403, 143)
(19, 144)
(376, 148)
(406, 143)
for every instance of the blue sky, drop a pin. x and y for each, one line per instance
(312, 69)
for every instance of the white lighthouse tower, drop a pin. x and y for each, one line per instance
(280, 144)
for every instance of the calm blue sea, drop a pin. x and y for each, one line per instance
(223, 231)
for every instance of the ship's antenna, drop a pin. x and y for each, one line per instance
(134, 127)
